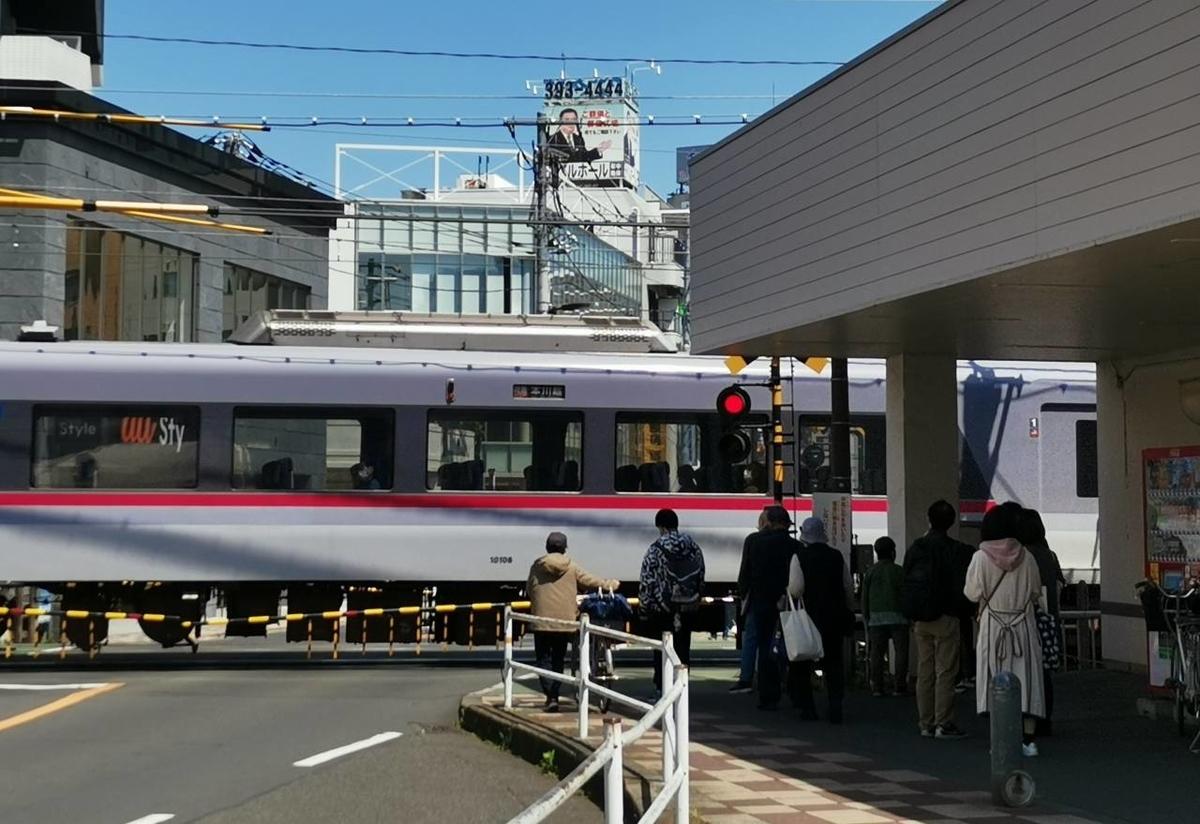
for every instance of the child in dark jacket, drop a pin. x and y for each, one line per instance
(881, 599)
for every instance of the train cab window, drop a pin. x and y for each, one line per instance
(504, 451)
(313, 449)
(678, 453)
(115, 447)
(868, 458)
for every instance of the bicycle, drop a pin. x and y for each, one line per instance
(1169, 612)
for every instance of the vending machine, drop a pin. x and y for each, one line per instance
(1171, 478)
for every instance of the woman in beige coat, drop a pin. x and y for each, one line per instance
(1004, 580)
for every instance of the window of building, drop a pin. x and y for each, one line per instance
(469, 284)
(121, 287)
(868, 457)
(659, 452)
(115, 447)
(313, 449)
(247, 292)
(504, 451)
(1087, 477)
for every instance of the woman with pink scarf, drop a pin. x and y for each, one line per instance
(1004, 580)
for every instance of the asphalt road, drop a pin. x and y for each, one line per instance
(218, 745)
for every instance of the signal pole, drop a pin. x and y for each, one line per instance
(839, 425)
(777, 429)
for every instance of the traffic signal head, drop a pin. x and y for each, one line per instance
(733, 404)
(735, 446)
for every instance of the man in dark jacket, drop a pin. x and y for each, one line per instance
(762, 581)
(670, 587)
(819, 574)
(934, 578)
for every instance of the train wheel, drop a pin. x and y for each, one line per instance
(175, 600)
(86, 633)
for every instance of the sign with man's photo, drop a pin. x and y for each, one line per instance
(595, 139)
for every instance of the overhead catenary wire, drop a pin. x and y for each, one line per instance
(375, 95)
(460, 55)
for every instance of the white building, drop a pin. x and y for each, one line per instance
(426, 232)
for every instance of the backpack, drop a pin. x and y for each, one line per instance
(919, 595)
(685, 577)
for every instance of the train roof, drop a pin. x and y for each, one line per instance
(172, 356)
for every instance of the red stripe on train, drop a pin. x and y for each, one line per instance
(433, 500)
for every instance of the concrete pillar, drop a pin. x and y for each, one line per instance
(922, 441)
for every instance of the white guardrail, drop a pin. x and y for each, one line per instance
(671, 710)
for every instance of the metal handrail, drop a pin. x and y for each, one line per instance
(671, 710)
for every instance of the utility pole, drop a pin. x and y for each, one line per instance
(542, 172)
(839, 425)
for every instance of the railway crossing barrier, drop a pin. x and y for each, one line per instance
(671, 711)
(438, 634)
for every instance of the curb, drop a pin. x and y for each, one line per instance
(528, 741)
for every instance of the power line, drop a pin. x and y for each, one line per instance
(376, 95)
(555, 58)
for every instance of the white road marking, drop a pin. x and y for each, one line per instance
(329, 755)
(153, 818)
(52, 687)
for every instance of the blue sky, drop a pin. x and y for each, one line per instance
(761, 29)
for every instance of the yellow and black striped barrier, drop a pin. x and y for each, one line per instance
(335, 617)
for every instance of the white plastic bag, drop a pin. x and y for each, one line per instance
(800, 635)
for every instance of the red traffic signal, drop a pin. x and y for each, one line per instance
(733, 404)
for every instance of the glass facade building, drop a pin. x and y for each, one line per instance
(480, 260)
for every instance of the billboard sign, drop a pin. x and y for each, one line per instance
(683, 157)
(592, 131)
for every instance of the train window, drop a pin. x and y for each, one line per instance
(677, 452)
(1087, 478)
(312, 449)
(504, 451)
(115, 447)
(868, 459)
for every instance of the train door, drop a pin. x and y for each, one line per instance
(1067, 477)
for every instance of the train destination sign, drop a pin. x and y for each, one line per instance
(539, 392)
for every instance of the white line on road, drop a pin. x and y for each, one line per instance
(153, 818)
(329, 755)
(52, 687)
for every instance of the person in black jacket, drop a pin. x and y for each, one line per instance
(1033, 536)
(762, 580)
(934, 577)
(820, 575)
(569, 141)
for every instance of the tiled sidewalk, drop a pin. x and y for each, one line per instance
(748, 774)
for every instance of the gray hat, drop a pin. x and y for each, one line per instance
(556, 542)
(812, 531)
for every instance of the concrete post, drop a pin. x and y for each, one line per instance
(922, 441)
(1010, 785)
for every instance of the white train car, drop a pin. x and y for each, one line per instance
(217, 466)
